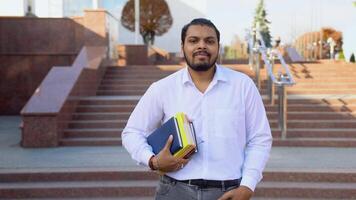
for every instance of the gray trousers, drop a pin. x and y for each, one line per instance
(170, 190)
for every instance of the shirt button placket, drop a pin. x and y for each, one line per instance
(205, 129)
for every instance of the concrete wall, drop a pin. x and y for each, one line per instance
(30, 47)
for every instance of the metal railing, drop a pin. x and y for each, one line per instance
(258, 52)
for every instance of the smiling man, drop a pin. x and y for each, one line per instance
(233, 133)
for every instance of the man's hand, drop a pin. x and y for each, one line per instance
(165, 161)
(240, 193)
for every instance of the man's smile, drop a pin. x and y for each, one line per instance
(201, 54)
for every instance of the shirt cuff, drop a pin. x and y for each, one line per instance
(145, 158)
(249, 182)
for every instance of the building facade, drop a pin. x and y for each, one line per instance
(182, 12)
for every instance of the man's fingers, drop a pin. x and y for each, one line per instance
(169, 143)
(183, 161)
(226, 196)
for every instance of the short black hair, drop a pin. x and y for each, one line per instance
(202, 22)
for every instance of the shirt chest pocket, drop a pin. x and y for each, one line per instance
(228, 123)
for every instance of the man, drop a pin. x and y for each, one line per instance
(233, 134)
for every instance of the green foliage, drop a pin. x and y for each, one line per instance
(352, 58)
(260, 22)
(341, 55)
(229, 53)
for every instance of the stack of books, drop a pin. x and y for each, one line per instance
(184, 139)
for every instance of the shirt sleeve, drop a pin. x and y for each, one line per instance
(144, 119)
(258, 138)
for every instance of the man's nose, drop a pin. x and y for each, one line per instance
(202, 44)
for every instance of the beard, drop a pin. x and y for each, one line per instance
(201, 66)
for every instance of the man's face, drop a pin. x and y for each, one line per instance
(200, 47)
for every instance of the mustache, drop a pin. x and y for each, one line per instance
(201, 52)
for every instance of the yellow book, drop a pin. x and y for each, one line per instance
(187, 134)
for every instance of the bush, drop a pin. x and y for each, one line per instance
(341, 56)
(352, 58)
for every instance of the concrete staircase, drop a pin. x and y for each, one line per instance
(313, 120)
(138, 185)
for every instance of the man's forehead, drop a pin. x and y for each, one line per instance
(201, 31)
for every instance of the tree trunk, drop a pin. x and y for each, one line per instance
(148, 37)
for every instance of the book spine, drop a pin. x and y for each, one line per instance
(179, 117)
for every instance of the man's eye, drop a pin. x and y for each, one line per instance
(193, 41)
(210, 41)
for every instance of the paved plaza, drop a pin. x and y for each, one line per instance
(15, 158)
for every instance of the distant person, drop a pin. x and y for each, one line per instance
(233, 134)
(332, 45)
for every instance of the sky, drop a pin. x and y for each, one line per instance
(289, 18)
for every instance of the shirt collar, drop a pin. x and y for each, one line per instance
(218, 76)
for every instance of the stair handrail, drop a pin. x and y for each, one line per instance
(257, 48)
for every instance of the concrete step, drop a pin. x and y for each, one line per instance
(119, 92)
(322, 86)
(123, 87)
(306, 190)
(77, 175)
(324, 79)
(92, 132)
(78, 189)
(292, 142)
(73, 174)
(102, 102)
(320, 100)
(313, 91)
(291, 108)
(78, 124)
(119, 100)
(127, 81)
(101, 116)
(134, 76)
(270, 115)
(315, 115)
(321, 123)
(132, 184)
(321, 91)
(137, 72)
(104, 108)
(315, 142)
(91, 141)
(314, 108)
(316, 133)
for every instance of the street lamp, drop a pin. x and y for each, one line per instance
(137, 20)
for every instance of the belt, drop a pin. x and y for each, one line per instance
(202, 183)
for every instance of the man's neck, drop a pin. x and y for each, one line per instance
(202, 79)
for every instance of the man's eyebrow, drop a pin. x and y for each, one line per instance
(194, 37)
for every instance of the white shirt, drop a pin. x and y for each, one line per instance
(233, 134)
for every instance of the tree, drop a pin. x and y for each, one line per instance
(341, 56)
(155, 18)
(261, 23)
(352, 58)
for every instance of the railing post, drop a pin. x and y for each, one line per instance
(282, 110)
(270, 85)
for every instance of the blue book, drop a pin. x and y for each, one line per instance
(157, 140)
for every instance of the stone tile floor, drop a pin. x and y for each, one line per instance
(13, 157)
